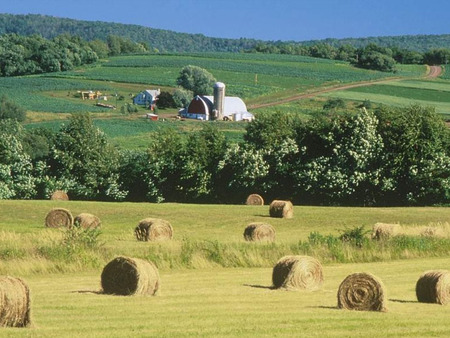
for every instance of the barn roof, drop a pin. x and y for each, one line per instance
(232, 104)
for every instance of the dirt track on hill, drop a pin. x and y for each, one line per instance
(433, 72)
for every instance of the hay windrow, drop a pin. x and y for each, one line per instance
(434, 287)
(432, 231)
(362, 292)
(59, 217)
(130, 276)
(153, 229)
(59, 195)
(297, 272)
(383, 231)
(87, 221)
(254, 199)
(15, 302)
(259, 232)
(281, 209)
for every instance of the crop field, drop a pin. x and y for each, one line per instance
(39, 94)
(403, 93)
(213, 283)
(136, 132)
(250, 76)
(246, 75)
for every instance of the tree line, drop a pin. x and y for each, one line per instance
(23, 55)
(391, 156)
(371, 56)
(169, 41)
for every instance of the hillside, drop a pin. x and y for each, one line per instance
(163, 40)
(170, 41)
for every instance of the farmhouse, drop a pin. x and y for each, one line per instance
(217, 107)
(147, 97)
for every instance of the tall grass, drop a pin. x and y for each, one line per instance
(72, 250)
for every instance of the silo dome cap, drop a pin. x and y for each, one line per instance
(219, 85)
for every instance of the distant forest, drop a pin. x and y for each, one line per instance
(168, 41)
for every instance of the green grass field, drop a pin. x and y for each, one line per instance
(210, 297)
(402, 93)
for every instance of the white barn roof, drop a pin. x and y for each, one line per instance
(232, 105)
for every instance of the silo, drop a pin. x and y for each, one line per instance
(219, 100)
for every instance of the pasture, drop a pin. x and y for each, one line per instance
(213, 283)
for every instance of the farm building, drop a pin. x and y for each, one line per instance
(147, 97)
(217, 107)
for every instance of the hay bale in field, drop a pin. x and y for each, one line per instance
(59, 195)
(153, 229)
(281, 209)
(130, 276)
(259, 232)
(432, 231)
(434, 287)
(59, 217)
(362, 292)
(297, 272)
(14, 302)
(254, 199)
(87, 221)
(383, 231)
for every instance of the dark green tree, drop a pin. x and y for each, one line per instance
(83, 158)
(10, 110)
(196, 79)
(165, 100)
(182, 97)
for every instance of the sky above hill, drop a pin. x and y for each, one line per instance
(297, 20)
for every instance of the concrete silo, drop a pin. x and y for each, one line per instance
(219, 100)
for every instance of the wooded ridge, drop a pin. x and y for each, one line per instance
(170, 41)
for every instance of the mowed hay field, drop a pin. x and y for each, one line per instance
(209, 297)
(232, 302)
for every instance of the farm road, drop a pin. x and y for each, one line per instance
(432, 72)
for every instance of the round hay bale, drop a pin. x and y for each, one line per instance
(254, 199)
(87, 221)
(130, 276)
(153, 229)
(297, 272)
(383, 231)
(59, 195)
(281, 209)
(434, 287)
(14, 302)
(59, 217)
(259, 232)
(362, 292)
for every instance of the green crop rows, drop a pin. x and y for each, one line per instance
(253, 77)
(35, 94)
(400, 93)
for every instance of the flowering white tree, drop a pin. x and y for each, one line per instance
(16, 169)
(348, 164)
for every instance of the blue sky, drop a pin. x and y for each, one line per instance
(297, 20)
